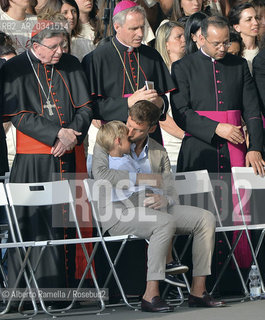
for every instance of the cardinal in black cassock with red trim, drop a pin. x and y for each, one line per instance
(45, 95)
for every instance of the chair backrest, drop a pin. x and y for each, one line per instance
(98, 192)
(192, 182)
(244, 178)
(3, 198)
(6, 177)
(39, 194)
(197, 183)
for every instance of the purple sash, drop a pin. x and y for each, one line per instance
(237, 153)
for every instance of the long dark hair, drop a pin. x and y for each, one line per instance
(92, 16)
(54, 6)
(192, 25)
(5, 4)
(235, 37)
(73, 4)
(234, 15)
(6, 45)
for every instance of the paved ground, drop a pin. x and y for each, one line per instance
(247, 310)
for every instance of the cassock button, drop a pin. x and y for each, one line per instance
(217, 71)
(134, 76)
(222, 155)
(133, 69)
(221, 177)
(131, 60)
(219, 81)
(54, 93)
(49, 79)
(221, 167)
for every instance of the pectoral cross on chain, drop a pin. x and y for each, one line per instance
(49, 106)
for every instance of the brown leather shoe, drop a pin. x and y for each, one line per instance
(206, 301)
(156, 305)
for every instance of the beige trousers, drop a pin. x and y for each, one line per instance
(159, 228)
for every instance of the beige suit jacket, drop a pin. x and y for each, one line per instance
(159, 163)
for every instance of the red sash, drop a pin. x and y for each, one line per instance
(29, 145)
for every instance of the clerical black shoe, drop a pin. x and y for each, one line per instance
(206, 301)
(174, 281)
(175, 267)
(156, 305)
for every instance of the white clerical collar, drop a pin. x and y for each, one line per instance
(33, 52)
(130, 49)
(207, 55)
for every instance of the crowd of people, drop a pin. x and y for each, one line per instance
(152, 88)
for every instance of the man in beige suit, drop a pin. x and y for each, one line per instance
(165, 216)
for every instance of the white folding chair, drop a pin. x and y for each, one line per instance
(95, 195)
(3, 236)
(245, 179)
(198, 182)
(27, 247)
(44, 194)
(5, 178)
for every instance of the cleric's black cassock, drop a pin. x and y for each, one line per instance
(108, 81)
(23, 102)
(206, 85)
(3, 148)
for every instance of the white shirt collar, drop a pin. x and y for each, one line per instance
(207, 55)
(130, 49)
(145, 148)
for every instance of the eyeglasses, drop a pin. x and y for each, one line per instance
(63, 45)
(218, 45)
